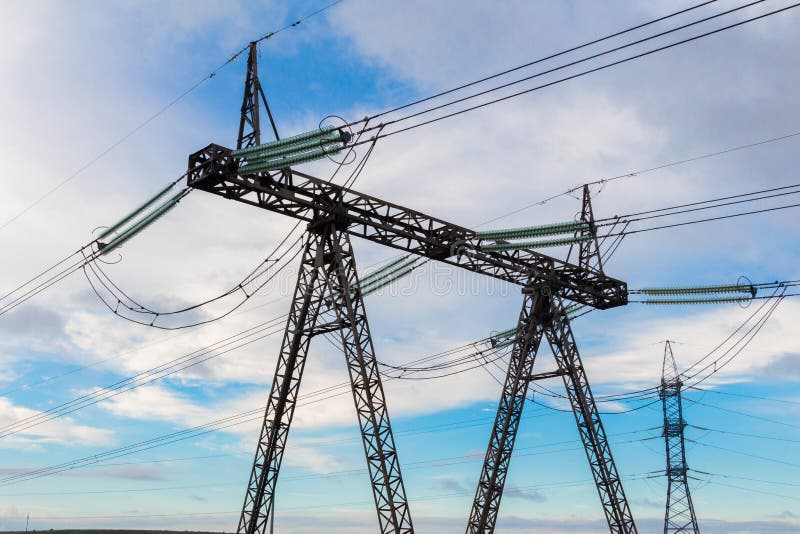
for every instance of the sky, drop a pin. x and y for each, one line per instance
(82, 85)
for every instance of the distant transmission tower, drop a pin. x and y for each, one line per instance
(679, 516)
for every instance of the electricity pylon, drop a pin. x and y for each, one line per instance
(679, 516)
(543, 315)
(328, 289)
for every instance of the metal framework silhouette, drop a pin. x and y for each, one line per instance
(327, 299)
(679, 516)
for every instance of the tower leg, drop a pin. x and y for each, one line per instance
(373, 416)
(309, 294)
(509, 411)
(540, 316)
(327, 274)
(559, 335)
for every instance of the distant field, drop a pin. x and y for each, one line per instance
(109, 531)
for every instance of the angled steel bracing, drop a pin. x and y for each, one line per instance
(589, 256)
(542, 315)
(373, 415)
(327, 274)
(308, 298)
(249, 122)
(679, 516)
(590, 427)
(509, 411)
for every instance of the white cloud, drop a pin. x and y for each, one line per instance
(62, 431)
(116, 64)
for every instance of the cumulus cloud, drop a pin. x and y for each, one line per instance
(62, 431)
(116, 64)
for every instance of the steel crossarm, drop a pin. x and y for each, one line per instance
(590, 427)
(306, 197)
(486, 504)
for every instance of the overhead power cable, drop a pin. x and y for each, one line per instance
(742, 413)
(573, 76)
(603, 181)
(160, 111)
(349, 504)
(703, 220)
(745, 434)
(133, 223)
(540, 60)
(754, 196)
(318, 396)
(745, 396)
(249, 287)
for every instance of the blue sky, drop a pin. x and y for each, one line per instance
(83, 75)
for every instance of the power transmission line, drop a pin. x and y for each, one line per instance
(603, 181)
(537, 61)
(564, 79)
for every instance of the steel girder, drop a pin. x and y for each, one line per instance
(388, 490)
(679, 516)
(542, 315)
(486, 504)
(590, 426)
(305, 197)
(327, 274)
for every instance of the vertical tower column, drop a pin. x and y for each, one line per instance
(542, 315)
(590, 426)
(309, 295)
(373, 416)
(679, 516)
(327, 283)
(486, 505)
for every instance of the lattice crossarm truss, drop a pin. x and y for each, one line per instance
(308, 298)
(486, 505)
(213, 169)
(388, 490)
(590, 427)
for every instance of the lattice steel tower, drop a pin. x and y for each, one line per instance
(679, 515)
(328, 299)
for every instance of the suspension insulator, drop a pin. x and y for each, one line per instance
(283, 163)
(718, 300)
(387, 269)
(267, 153)
(284, 142)
(535, 244)
(135, 213)
(383, 282)
(156, 214)
(535, 231)
(696, 290)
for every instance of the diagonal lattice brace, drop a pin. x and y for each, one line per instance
(590, 427)
(486, 505)
(327, 272)
(249, 121)
(309, 296)
(370, 402)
